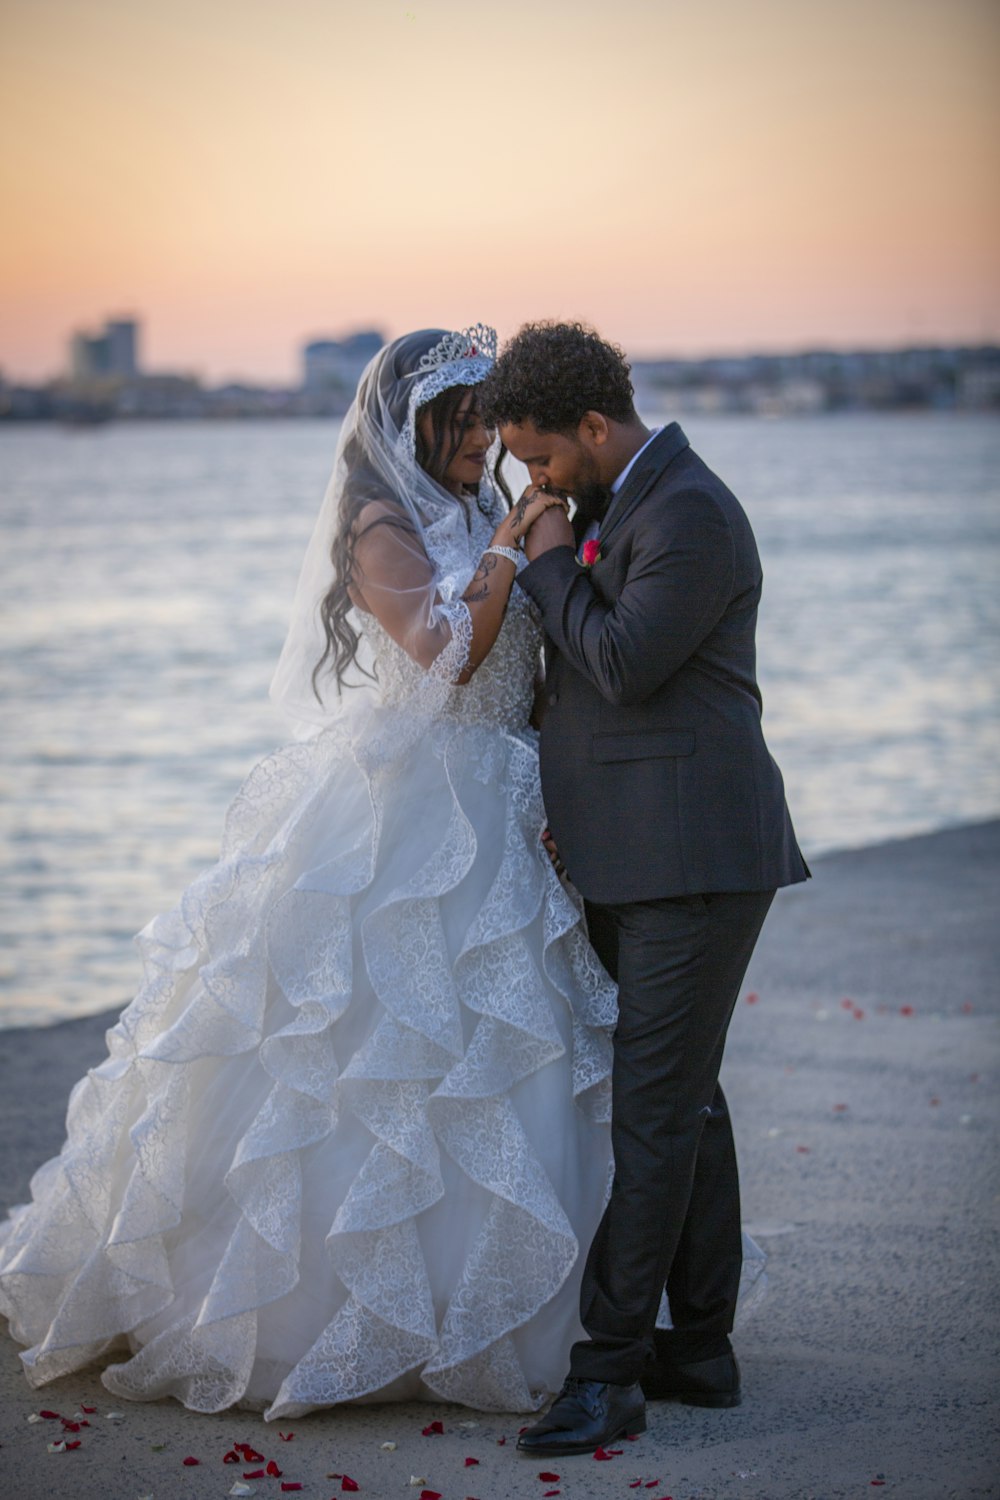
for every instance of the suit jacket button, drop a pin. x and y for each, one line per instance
(553, 699)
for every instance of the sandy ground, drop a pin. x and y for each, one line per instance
(862, 1071)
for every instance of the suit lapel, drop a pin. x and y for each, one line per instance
(661, 452)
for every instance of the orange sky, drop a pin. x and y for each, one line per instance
(689, 175)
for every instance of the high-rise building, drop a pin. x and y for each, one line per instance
(337, 363)
(112, 352)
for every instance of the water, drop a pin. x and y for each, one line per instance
(147, 575)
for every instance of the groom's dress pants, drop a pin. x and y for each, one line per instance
(673, 1218)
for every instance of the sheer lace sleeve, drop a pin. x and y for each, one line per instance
(395, 581)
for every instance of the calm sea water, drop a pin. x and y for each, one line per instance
(148, 571)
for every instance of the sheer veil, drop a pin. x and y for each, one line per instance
(424, 557)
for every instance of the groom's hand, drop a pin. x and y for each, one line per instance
(552, 529)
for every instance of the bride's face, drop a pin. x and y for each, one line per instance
(461, 443)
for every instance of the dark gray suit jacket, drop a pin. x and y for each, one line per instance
(656, 778)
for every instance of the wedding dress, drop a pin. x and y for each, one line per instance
(350, 1140)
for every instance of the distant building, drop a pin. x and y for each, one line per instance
(112, 352)
(336, 364)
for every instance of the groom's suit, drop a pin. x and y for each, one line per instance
(670, 817)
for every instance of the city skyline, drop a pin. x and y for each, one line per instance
(693, 179)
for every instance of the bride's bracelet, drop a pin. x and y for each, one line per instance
(513, 554)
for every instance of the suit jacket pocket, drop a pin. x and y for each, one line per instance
(643, 744)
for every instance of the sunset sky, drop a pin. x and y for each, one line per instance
(688, 175)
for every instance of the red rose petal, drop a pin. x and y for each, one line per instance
(803, 1150)
(433, 1429)
(753, 997)
(69, 1426)
(838, 1109)
(603, 1454)
(471, 1462)
(189, 1463)
(75, 1444)
(50, 1416)
(547, 1493)
(500, 1442)
(254, 1474)
(847, 1004)
(904, 1010)
(430, 1495)
(89, 1409)
(286, 1486)
(286, 1437)
(548, 1478)
(273, 1470)
(858, 1013)
(349, 1484)
(232, 1457)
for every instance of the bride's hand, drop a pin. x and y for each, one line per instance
(524, 513)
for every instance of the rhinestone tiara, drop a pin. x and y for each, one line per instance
(478, 341)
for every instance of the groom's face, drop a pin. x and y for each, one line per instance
(564, 462)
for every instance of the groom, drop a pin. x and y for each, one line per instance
(670, 817)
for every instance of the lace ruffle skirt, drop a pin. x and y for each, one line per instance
(350, 1140)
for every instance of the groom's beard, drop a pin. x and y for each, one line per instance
(592, 500)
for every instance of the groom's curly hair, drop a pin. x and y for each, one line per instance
(551, 373)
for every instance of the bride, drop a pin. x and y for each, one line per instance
(351, 1134)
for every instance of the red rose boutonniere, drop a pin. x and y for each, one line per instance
(591, 553)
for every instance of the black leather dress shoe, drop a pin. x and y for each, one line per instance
(585, 1415)
(708, 1382)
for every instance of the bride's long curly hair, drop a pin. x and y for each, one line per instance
(362, 485)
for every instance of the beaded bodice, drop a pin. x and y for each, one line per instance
(500, 692)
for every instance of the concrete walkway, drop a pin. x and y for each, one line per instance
(862, 1073)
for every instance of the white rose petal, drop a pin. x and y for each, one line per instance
(415, 1481)
(389, 1447)
(33, 1418)
(239, 1488)
(57, 1447)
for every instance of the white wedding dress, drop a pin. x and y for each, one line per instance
(350, 1140)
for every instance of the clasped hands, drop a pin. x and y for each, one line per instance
(539, 521)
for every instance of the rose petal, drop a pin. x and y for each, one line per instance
(114, 1416)
(189, 1463)
(466, 1425)
(858, 1013)
(88, 1409)
(753, 997)
(239, 1488)
(433, 1429)
(388, 1447)
(414, 1481)
(904, 1010)
(548, 1478)
(547, 1493)
(254, 1474)
(35, 1416)
(57, 1447)
(273, 1470)
(294, 1486)
(471, 1462)
(603, 1454)
(501, 1442)
(232, 1457)
(347, 1483)
(69, 1426)
(430, 1495)
(50, 1416)
(838, 1109)
(286, 1437)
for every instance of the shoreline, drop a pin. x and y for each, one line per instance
(859, 1072)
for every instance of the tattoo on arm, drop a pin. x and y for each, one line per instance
(479, 585)
(520, 508)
